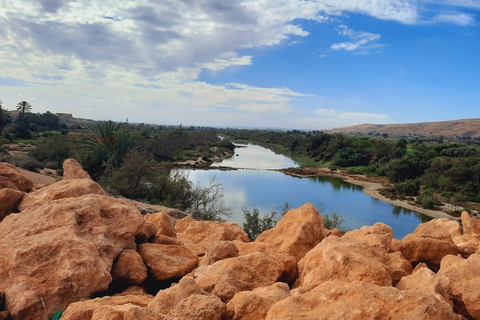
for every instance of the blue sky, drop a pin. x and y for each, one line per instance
(314, 64)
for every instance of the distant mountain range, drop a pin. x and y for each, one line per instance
(465, 128)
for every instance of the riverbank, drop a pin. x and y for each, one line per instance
(371, 186)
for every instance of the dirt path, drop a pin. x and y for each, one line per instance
(371, 187)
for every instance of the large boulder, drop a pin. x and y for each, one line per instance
(464, 275)
(346, 259)
(129, 268)
(227, 277)
(399, 267)
(379, 235)
(167, 261)
(220, 250)
(84, 310)
(164, 224)
(183, 224)
(361, 300)
(73, 170)
(199, 307)
(254, 305)
(10, 177)
(166, 300)
(297, 232)
(429, 243)
(199, 234)
(62, 252)
(60, 190)
(9, 200)
(425, 280)
(471, 226)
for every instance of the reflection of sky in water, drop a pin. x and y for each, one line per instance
(269, 190)
(256, 157)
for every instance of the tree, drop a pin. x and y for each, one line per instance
(23, 107)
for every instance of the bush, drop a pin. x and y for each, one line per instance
(254, 225)
(408, 187)
(335, 221)
(26, 162)
(427, 200)
(52, 165)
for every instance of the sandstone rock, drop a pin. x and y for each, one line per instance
(254, 305)
(346, 259)
(359, 301)
(199, 307)
(467, 244)
(84, 310)
(399, 267)
(10, 177)
(199, 234)
(395, 246)
(129, 268)
(183, 224)
(111, 312)
(471, 226)
(166, 300)
(379, 235)
(60, 190)
(167, 262)
(3, 315)
(464, 278)
(335, 233)
(62, 252)
(162, 239)
(132, 290)
(137, 313)
(220, 250)
(149, 229)
(424, 280)
(9, 200)
(297, 232)
(163, 222)
(73, 170)
(290, 268)
(227, 277)
(429, 243)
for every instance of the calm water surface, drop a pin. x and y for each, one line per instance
(270, 190)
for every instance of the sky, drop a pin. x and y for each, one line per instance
(296, 64)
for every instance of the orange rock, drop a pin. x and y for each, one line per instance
(464, 278)
(132, 290)
(163, 222)
(9, 200)
(467, 244)
(166, 300)
(346, 259)
(220, 250)
(111, 312)
(227, 277)
(183, 224)
(84, 310)
(471, 226)
(162, 239)
(290, 268)
(60, 190)
(395, 246)
(149, 229)
(166, 261)
(254, 305)
(399, 267)
(129, 268)
(429, 243)
(379, 235)
(297, 232)
(199, 307)
(137, 313)
(10, 177)
(200, 234)
(62, 252)
(335, 233)
(73, 170)
(359, 301)
(425, 280)
(4, 315)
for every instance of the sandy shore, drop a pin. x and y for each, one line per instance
(371, 187)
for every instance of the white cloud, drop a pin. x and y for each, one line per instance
(360, 40)
(461, 19)
(351, 118)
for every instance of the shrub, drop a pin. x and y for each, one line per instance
(408, 187)
(254, 225)
(52, 165)
(26, 162)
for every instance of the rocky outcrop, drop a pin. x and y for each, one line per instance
(429, 243)
(164, 224)
(10, 177)
(73, 170)
(61, 190)
(199, 307)
(297, 232)
(199, 234)
(254, 305)
(62, 252)
(129, 268)
(9, 200)
(361, 300)
(167, 261)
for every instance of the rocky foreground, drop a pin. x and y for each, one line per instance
(70, 248)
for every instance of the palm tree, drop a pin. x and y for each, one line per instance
(24, 107)
(1, 116)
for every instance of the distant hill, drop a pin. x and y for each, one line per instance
(465, 128)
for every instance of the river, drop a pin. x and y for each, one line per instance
(255, 185)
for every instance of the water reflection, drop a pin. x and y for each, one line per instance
(269, 190)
